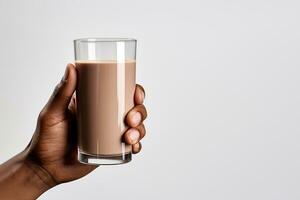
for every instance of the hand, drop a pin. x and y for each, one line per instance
(53, 148)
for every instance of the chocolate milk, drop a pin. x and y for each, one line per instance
(105, 93)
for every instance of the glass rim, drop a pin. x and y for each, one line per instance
(104, 39)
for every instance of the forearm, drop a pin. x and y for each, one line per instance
(20, 179)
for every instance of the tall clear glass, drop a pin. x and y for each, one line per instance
(105, 93)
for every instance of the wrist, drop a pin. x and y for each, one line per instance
(22, 179)
(42, 179)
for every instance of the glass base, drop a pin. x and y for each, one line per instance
(92, 159)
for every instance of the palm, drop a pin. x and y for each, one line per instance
(56, 148)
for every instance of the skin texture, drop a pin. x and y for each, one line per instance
(51, 156)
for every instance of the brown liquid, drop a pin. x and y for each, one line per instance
(105, 93)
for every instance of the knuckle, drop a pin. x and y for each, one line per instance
(42, 115)
(143, 130)
(48, 119)
(140, 130)
(144, 111)
(43, 118)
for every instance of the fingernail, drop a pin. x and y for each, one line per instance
(65, 77)
(134, 136)
(136, 118)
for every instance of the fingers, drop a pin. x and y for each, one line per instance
(136, 116)
(136, 148)
(134, 119)
(134, 135)
(139, 95)
(60, 99)
(142, 130)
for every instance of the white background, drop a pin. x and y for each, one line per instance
(222, 83)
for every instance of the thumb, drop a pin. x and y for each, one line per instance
(59, 100)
